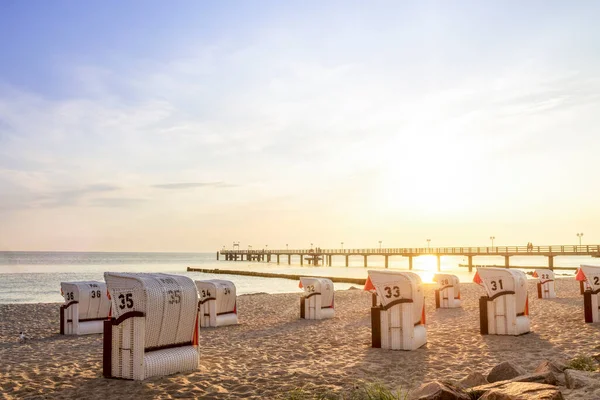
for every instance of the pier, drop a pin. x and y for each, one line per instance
(326, 255)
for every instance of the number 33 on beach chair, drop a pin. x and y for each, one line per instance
(505, 309)
(154, 328)
(398, 318)
(85, 309)
(590, 276)
(317, 302)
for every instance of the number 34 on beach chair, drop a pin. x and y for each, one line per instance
(398, 312)
(505, 309)
(154, 328)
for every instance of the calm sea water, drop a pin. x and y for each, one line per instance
(34, 277)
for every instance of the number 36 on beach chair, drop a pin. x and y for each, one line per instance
(398, 312)
(85, 309)
(505, 309)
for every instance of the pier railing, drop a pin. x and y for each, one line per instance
(495, 250)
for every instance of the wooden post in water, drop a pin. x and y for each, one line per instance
(217, 256)
(301, 260)
(386, 261)
(346, 260)
(551, 262)
(277, 258)
(470, 263)
(439, 263)
(507, 261)
(365, 260)
(410, 262)
(289, 259)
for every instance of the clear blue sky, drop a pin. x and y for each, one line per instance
(146, 125)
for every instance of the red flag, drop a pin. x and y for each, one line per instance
(477, 278)
(423, 315)
(300, 285)
(369, 285)
(580, 276)
(235, 308)
(535, 275)
(195, 337)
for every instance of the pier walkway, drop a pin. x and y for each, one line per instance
(314, 256)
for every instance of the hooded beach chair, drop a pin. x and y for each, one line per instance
(317, 299)
(217, 306)
(398, 317)
(153, 330)
(590, 276)
(86, 307)
(505, 309)
(447, 295)
(545, 286)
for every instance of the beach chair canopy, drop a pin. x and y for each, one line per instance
(446, 280)
(501, 281)
(394, 287)
(169, 304)
(591, 275)
(544, 275)
(91, 297)
(221, 290)
(324, 286)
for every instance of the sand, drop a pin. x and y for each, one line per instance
(273, 352)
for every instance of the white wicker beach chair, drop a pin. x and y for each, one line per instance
(217, 303)
(154, 329)
(505, 309)
(86, 307)
(590, 275)
(318, 299)
(447, 295)
(545, 287)
(398, 317)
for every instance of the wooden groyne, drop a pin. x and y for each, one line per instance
(358, 281)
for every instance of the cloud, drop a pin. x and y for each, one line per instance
(191, 185)
(116, 202)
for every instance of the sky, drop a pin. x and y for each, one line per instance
(188, 125)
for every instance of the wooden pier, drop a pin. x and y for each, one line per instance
(327, 254)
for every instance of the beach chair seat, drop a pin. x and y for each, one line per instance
(317, 301)
(217, 306)
(545, 286)
(85, 309)
(398, 315)
(154, 329)
(447, 294)
(505, 308)
(590, 276)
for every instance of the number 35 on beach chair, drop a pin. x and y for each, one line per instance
(317, 302)
(590, 276)
(154, 329)
(398, 317)
(217, 306)
(85, 309)
(447, 295)
(505, 309)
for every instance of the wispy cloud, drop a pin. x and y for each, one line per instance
(191, 185)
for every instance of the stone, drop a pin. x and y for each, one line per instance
(505, 371)
(576, 379)
(554, 366)
(518, 391)
(437, 390)
(473, 379)
(548, 378)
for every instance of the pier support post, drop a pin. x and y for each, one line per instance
(506, 261)
(277, 258)
(470, 263)
(346, 260)
(551, 262)
(289, 259)
(330, 260)
(439, 263)
(365, 261)
(410, 262)
(301, 260)
(386, 261)
(217, 256)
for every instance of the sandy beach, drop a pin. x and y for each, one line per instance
(273, 352)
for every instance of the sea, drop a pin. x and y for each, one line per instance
(35, 277)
